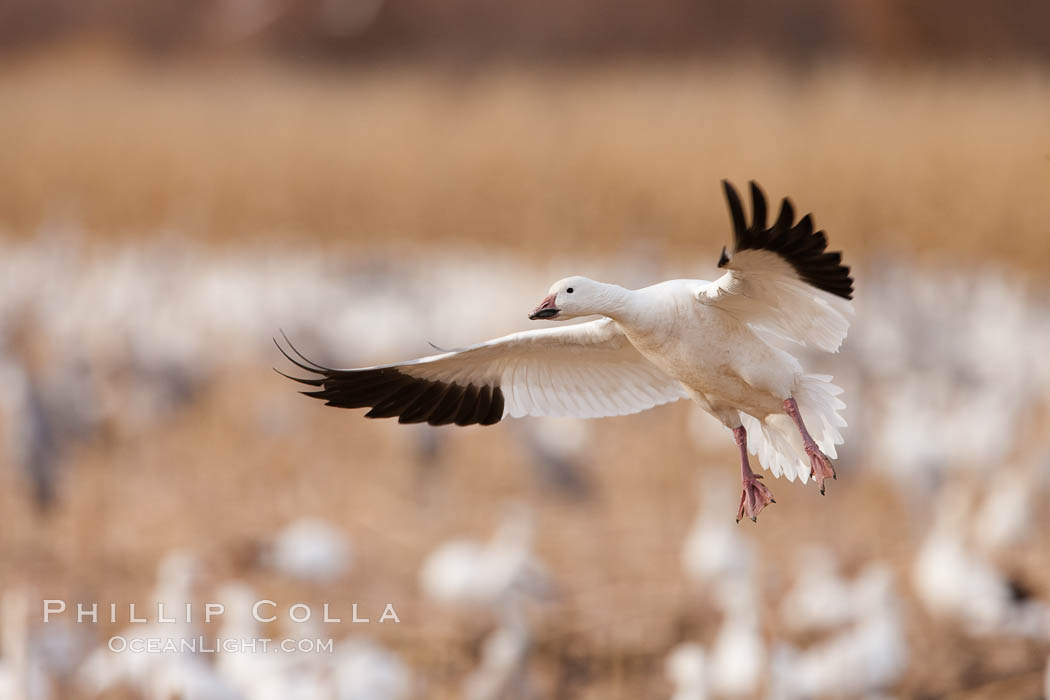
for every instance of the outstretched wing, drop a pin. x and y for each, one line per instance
(780, 278)
(588, 370)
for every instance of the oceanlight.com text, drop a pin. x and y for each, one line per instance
(119, 644)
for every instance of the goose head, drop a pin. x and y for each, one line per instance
(572, 297)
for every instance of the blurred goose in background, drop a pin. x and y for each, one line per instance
(722, 559)
(160, 675)
(49, 407)
(558, 450)
(503, 671)
(22, 675)
(820, 599)
(58, 648)
(735, 664)
(363, 670)
(714, 552)
(714, 342)
(868, 656)
(248, 672)
(951, 579)
(34, 436)
(1046, 679)
(738, 653)
(954, 580)
(310, 549)
(1004, 515)
(687, 667)
(496, 575)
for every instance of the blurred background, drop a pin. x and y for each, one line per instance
(179, 180)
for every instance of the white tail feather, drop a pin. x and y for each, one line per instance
(776, 441)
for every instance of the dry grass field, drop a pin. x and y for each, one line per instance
(547, 168)
(585, 160)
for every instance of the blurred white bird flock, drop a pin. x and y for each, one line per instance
(357, 669)
(497, 577)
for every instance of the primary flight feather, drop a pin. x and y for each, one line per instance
(713, 342)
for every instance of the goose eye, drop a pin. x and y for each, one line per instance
(569, 290)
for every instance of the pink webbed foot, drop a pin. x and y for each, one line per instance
(753, 498)
(820, 466)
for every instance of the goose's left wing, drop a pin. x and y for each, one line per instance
(587, 370)
(780, 278)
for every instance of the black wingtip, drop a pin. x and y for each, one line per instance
(304, 358)
(758, 206)
(308, 382)
(723, 259)
(291, 359)
(799, 244)
(736, 211)
(787, 214)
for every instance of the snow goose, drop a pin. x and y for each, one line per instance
(171, 672)
(498, 575)
(557, 449)
(255, 675)
(1046, 679)
(363, 670)
(821, 598)
(716, 555)
(738, 652)
(503, 671)
(869, 656)
(310, 549)
(715, 342)
(954, 580)
(687, 669)
(22, 673)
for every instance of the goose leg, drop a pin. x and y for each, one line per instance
(820, 465)
(755, 495)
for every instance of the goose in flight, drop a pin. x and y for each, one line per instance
(718, 343)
